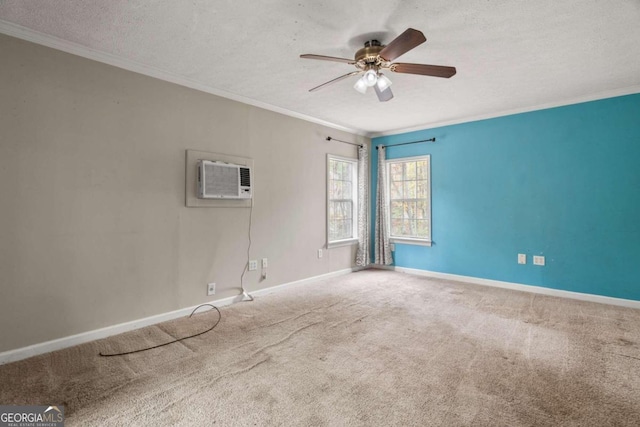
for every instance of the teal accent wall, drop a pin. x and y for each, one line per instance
(562, 182)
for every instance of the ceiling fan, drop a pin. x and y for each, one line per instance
(375, 57)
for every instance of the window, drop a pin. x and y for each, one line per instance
(342, 196)
(410, 200)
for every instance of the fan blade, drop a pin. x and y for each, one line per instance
(402, 44)
(383, 95)
(328, 58)
(424, 69)
(337, 79)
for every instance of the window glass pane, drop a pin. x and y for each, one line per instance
(348, 209)
(422, 189)
(397, 210)
(409, 189)
(395, 190)
(406, 228)
(421, 169)
(410, 209)
(346, 171)
(409, 228)
(395, 171)
(346, 189)
(340, 229)
(337, 211)
(342, 210)
(421, 212)
(422, 228)
(410, 170)
(333, 190)
(347, 232)
(412, 228)
(340, 170)
(396, 227)
(334, 165)
(333, 230)
(349, 171)
(341, 190)
(336, 190)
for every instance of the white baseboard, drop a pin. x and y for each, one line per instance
(277, 288)
(60, 343)
(519, 287)
(383, 267)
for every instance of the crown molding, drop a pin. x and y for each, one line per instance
(77, 49)
(630, 90)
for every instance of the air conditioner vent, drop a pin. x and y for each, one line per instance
(219, 180)
(245, 177)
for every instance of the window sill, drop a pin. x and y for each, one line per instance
(409, 241)
(339, 243)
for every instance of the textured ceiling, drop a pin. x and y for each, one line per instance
(510, 55)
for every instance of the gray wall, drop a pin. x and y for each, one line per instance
(93, 226)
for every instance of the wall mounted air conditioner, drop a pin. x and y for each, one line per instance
(219, 180)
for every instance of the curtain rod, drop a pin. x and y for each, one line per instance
(345, 142)
(405, 143)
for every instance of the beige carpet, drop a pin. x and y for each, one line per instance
(370, 348)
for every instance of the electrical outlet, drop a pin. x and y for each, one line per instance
(211, 288)
(522, 258)
(538, 260)
(319, 253)
(253, 265)
(264, 263)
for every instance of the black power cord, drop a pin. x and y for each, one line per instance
(174, 341)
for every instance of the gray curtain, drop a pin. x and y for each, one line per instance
(382, 248)
(362, 255)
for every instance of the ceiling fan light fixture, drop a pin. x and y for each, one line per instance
(361, 86)
(375, 56)
(370, 77)
(383, 82)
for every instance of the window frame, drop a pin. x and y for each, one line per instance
(422, 241)
(354, 200)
